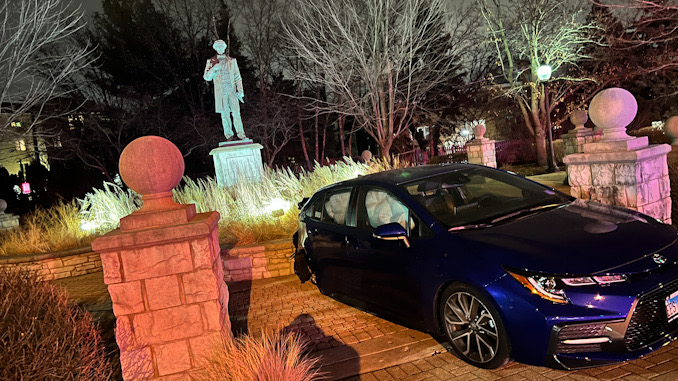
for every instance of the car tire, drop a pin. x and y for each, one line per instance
(473, 327)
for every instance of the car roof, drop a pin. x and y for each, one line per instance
(405, 175)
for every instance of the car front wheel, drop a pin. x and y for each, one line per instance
(473, 327)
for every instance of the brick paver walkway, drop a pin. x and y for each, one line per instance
(278, 302)
(284, 303)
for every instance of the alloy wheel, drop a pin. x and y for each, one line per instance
(471, 327)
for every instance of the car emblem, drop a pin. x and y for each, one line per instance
(658, 259)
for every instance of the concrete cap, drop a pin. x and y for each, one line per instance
(3, 206)
(151, 165)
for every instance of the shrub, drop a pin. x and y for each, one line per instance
(519, 151)
(654, 135)
(460, 157)
(269, 358)
(672, 161)
(41, 337)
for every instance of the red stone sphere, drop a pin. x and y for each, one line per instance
(151, 164)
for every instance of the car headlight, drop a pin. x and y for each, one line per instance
(545, 287)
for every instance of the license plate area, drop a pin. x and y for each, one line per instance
(671, 303)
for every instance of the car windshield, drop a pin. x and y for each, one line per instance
(477, 196)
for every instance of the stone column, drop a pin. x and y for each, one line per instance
(163, 270)
(481, 149)
(574, 140)
(7, 220)
(619, 169)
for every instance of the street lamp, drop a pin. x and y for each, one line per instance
(544, 74)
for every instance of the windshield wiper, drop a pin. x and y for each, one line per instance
(524, 211)
(470, 226)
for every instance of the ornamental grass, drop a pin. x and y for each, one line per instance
(250, 212)
(279, 357)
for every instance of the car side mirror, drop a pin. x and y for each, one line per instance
(392, 232)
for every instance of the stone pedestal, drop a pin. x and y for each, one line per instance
(237, 160)
(573, 141)
(7, 220)
(618, 169)
(481, 150)
(164, 271)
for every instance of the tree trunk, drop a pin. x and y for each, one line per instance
(317, 137)
(340, 120)
(540, 144)
(327, 121)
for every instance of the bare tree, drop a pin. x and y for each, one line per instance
(376, 59)
(261, 29)
(274, 125)
(39, 60)
(526, 34)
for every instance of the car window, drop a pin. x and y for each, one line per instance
(382, 208)
(477, 195)
(336, 206)
(378, 207)
(316, 209)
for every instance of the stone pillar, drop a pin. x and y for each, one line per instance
(619, 169)
(163, 270)
(574, 140)
(481, 149)
(7, 220)
(237, 160)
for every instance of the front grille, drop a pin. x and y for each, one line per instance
(648, 322)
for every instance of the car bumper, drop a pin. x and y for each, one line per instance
(645, 329)
(600, 326)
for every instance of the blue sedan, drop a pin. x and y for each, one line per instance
(503, 267)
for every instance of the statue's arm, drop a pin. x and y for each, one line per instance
(238, 79)
(210, 72)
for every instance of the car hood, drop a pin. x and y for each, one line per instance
(579, 238)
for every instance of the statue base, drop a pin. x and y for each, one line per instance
(237, 161)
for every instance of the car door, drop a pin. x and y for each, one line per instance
(386, 272)
(327, 231)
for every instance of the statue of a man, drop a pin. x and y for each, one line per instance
(223, 71)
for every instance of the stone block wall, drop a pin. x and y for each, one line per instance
(57, 265)
(258, 261)
(8, 221)
(634, 179)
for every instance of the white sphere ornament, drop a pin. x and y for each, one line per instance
(671, 129)
(613, 110)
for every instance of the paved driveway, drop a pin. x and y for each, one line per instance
(350, 341)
